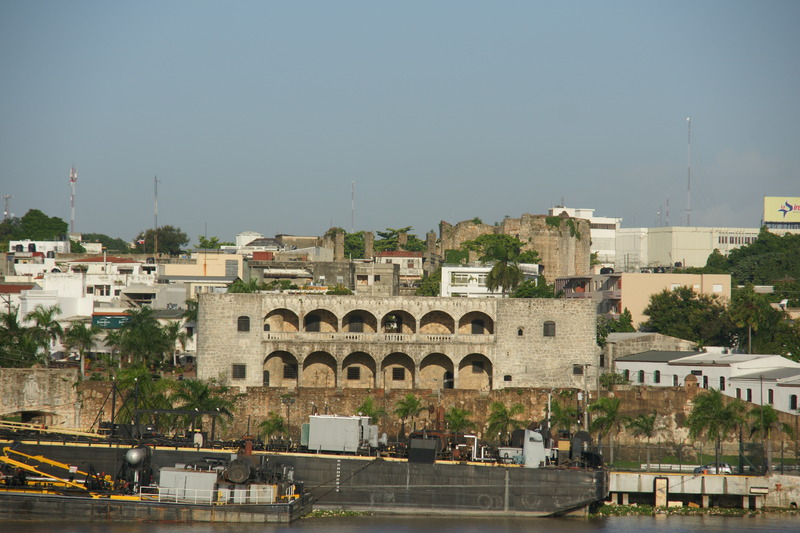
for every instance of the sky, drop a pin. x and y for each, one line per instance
(260, 116)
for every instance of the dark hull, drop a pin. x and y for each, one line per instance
(394, 486)
(49, 506)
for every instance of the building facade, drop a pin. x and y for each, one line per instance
(278, 340)
(469, 281)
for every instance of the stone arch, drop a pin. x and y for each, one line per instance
(359, 370)
(398, 321)
(282, 320)
(437, 323)
(319, 370)
(397, 371)
(476, 323)
(320, 321)
(475, 372)
(436, 372)
(359, 321)
(282, 370)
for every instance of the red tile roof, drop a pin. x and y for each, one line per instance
(7, 288)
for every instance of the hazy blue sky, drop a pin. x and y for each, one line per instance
(260, 115)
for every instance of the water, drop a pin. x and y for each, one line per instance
(384, 524)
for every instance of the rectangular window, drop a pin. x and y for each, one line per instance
(89, 290)
(398, 373)
(289, 371)
(793, 402)
(577, 370)
(117, 292)
(238, 371)
(717, 287)
(231, 268)
(739, 393)
(507, 377)
(377, 278)
(102, 290)
(749, 395)
(362, 279)
(722, 383)
(354, 372)
(770, 397)
(477, 367)
(657, 376)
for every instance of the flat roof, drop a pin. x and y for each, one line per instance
(655, 356)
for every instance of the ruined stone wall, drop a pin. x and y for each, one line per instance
(48, 393)
(564, 250)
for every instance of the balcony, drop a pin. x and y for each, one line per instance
(424, 338)
(612, 295)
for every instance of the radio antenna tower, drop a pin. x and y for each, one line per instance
(353, 208)
(6, 213)
(73, 184)
(689, 173)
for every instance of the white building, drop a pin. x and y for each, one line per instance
(647, 248)
(603, 229)
(756, 378)
(469, 281)
(410, 264)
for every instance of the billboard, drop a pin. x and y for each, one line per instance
(781, 209)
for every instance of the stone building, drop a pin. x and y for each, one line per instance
(279, 340)
(563, 243)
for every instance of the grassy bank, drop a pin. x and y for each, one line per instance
(649, 510)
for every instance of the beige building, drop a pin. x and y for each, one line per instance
(648, 248)
(613, 293)
(289, 341)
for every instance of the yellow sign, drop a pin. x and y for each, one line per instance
(781, 209)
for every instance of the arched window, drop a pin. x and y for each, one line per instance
(641, 376)
(312, 323)
(266, 326)
(722, 383)
(265, 379)
(243, 323)
(549, 329)
(770, 396)
(626, 374)
(520, 332)
(657, 376)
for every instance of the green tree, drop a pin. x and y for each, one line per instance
(191, 313)
(18, 344)
(47, 329)
(757, 321)
(505, 252)
(764, 421)
(608, 420)
(609, 379)
(249, 286)
(767, 260)
(431, 285)
(502, 420)
(458, 420)
(535, 288)
(715, 418)
(81, 337)
(644, 425)
(369, 408)
(171, 241)
(389, 240)
(607, 325)
(143, 390)
(339, 290)
(199, 395)
(274, 424)
(37, 226)
(141, 339)
(354, 245)
(409, 407)
(685, 314)
(563, 417)
(109, 243)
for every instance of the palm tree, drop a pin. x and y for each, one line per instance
(368, 408)
(47, 329)
(713, 417)
(765, 421)
(202, 396)
(503, 419)
(18, 345)
(408, 407)
(81, 337)
(644, 426)
(608, 421)
(563, 417)
(272, 425)
(458, 419)
(141, 390)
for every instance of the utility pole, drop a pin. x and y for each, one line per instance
(73, 184)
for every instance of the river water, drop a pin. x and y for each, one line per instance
(373, 524)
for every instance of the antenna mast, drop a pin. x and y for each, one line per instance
(73, 184)
(6, 213)
(353, 208)
(689, 173)
(155, 213)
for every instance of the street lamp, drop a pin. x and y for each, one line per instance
(288, 401)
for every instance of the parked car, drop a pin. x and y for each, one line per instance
(714, 468)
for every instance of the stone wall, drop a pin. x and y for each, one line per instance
(517, 354)
(564, 248)
(46, 395)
